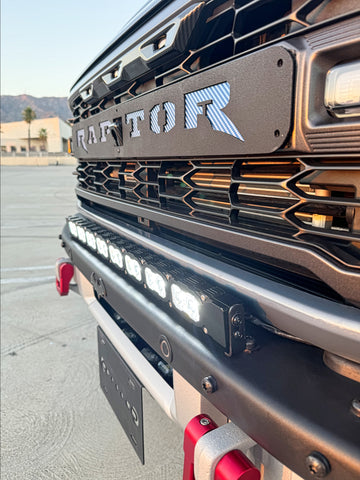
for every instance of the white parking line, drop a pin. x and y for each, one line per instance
(6, 281)
(28, 269)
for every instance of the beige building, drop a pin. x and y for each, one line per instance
(14, 136)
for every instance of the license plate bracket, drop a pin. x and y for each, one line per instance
(123, 391)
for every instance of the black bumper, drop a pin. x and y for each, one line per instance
(282, 395)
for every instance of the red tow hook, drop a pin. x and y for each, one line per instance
(64, 273)
(234, 465)
(195, 429)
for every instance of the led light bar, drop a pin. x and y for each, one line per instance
(198, 300)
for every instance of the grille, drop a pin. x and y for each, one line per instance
(223, 29)
(315, 200)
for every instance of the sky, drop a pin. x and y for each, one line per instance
(46, 44)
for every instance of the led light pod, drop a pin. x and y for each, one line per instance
(133, 267)
(185, 302)
(102, 247)
(73, 229)
(90, 239)
(81, 234)
(155, 282)
(116, 256)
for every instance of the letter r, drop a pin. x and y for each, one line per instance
(209, 102)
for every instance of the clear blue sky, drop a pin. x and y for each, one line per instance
(46, 44)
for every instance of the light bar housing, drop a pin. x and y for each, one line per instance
(205, 305)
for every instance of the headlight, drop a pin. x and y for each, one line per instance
(342, 90)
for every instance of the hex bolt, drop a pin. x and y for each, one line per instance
(237, 320)
(204, 422)
(238, 335)
(209, 384)
(317, 464)
(355, 407)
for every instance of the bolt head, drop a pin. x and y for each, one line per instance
(204, 421)
(237, 320)
(317, 464)
(238, 335)
(209, 384)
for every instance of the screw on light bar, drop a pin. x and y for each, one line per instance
(186, 302)
(210, 307)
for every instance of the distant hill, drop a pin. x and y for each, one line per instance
(44, 107)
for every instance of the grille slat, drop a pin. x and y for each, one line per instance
(287, 198)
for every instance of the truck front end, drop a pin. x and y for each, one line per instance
(217, 232)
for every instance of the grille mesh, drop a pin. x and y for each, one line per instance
(312, 199)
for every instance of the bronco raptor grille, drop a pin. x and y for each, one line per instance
(314, 199)
(224, 28)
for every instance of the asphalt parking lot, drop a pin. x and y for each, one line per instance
(56, 423)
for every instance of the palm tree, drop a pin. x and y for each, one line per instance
(28, 115)
(43, 137)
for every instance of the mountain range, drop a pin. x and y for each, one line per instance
(11, 107)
